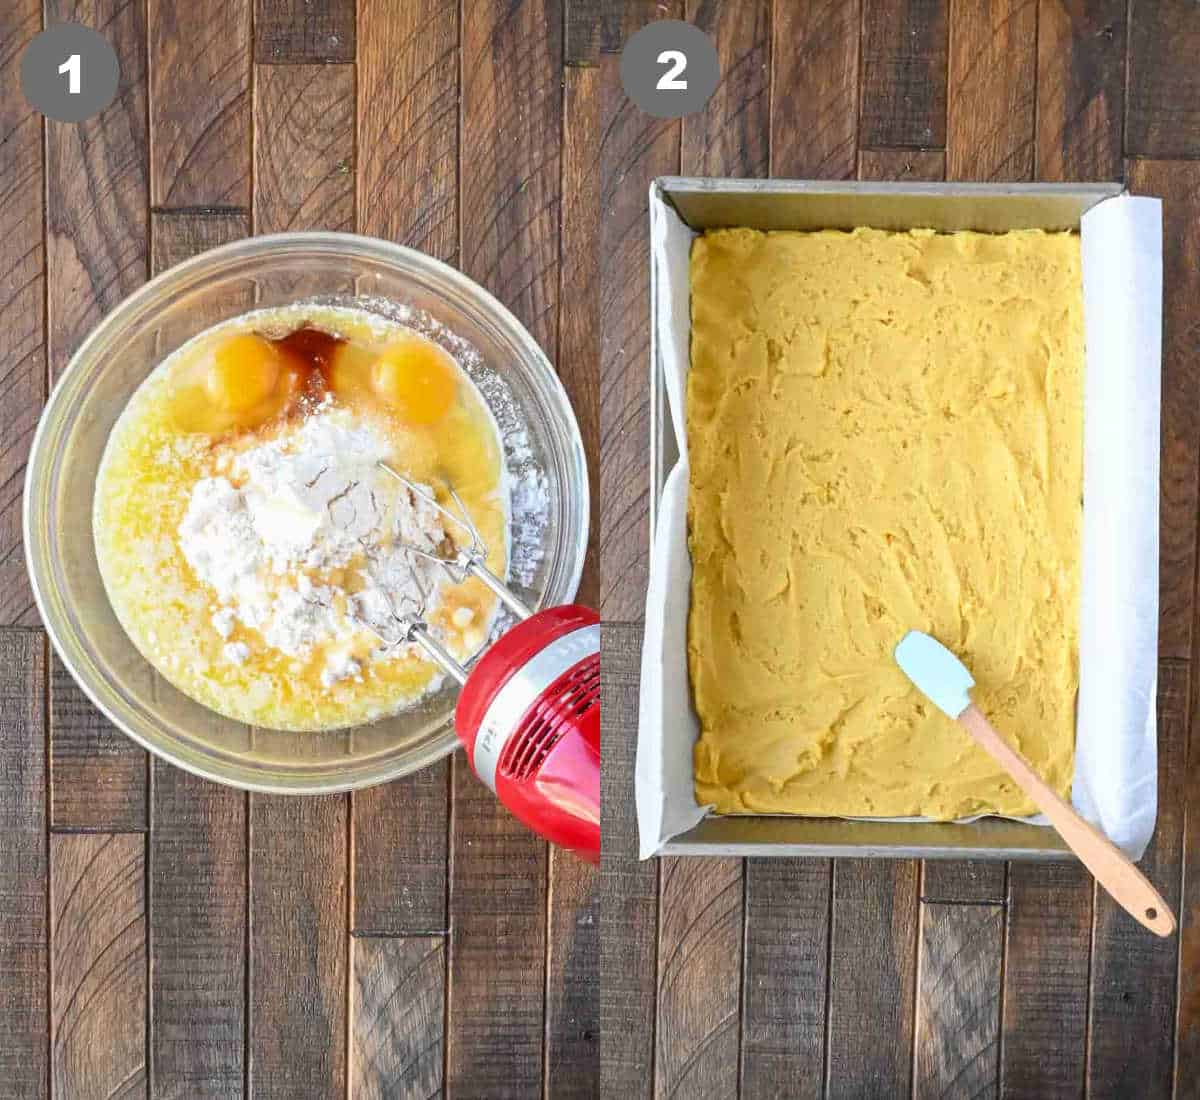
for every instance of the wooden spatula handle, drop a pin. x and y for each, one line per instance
(1113, 869)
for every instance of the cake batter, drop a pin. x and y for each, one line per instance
(885, 433)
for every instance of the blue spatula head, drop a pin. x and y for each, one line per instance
(940, 676)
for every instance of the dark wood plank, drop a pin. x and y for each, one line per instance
(98, 248)
(958, 1001)
(949, 880)
(198, 858)
(992, 91)
(1178, 184)
(199, 54)
(304, 155)
(618, 21)
(1187, 1010)
(901, 164)
(400, 845)
(581, 37)
(407, 121)
(298, 949)
(97, 237)
(99, 773)
(872, 978)
(98, 965)
(1049, 938)
(1133, 981)
(579, 294)
(197, 936)
(699, 975)
(904, 73)
(731, 136)
(22, 298)
(408, 124)
(397, 1013)
(572, 980)
(510, 188)
(786, 979)
(814, 86)
(1163, 113)
(1081, 89)
(176, 237)
(24, 921)
(628, 888)
(634, 149)
(303, 31)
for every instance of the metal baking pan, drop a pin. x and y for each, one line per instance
(810, 205)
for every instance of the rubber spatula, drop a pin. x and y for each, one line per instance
(945, 681)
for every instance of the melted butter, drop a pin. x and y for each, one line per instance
(152, 462)
(885, 433)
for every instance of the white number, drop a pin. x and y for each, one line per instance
(71, 68)
(669, 81)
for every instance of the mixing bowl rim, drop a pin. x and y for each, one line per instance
(266, 246)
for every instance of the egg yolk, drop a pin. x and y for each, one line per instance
(417, 378)
(243, 373)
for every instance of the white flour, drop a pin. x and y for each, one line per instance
(292, 509)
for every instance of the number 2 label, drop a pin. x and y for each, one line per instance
(669, 81)
(71, 68)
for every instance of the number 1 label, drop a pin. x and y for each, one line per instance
(71, 68)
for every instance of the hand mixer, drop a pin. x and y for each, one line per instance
(529, 710)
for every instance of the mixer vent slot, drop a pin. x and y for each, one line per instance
(544, 725)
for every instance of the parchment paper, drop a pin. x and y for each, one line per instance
(1116, 770)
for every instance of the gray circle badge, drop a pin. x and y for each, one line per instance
(69, 72)
(670, 68)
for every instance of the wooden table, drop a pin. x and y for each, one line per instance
(795, 978)
(160, 935)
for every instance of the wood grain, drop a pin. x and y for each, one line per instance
(304, 153)
(992, 91)
(1163, 111)
(98, 965)
(1080, 89)
(400, 845)
(572, 1070)
(298, 946)
(22, 298)
(397, 1007)
(304, 31)
(620, 20)
(901, 164)
(634, 149)
(786, 979)
(1133, 979)
(97, 237)
(199, 53)
(732, 135)
(176, 236)
(99, 773)
(1187, 1012)
(578, 362)
(949, 880)
(197, 936)
(24, 922)
(872, 978)
(958, 1001)
(904, 73)
(1178, 184)
(408, 124)
(814, 88)
(1046, 964)
(581, 31)
(699, 975)
(628, 888)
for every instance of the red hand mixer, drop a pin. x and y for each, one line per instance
(529, 710)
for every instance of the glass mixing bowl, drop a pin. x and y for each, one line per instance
(60, 486)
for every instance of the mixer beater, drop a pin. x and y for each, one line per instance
(528, 712)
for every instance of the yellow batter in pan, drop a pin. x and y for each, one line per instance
(885, 434)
